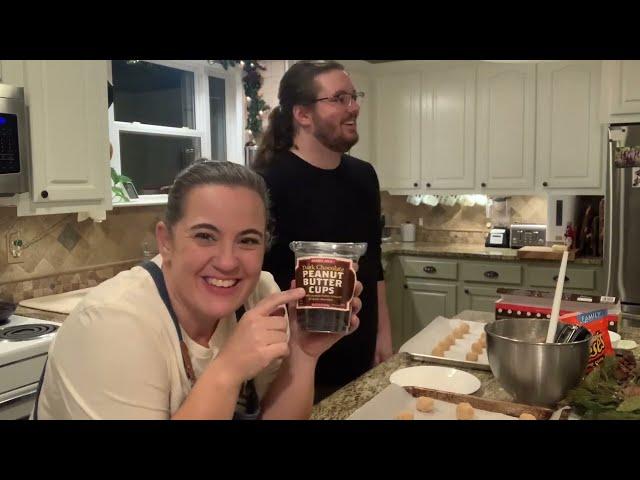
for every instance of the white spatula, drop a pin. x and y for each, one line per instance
(557, 299)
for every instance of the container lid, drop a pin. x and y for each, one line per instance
(351, 250)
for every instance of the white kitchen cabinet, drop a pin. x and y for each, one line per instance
(69, 135)
(448, 128)
(569, 144)
(397, 127)
(362, 149)
(505, 135)
(621, 91)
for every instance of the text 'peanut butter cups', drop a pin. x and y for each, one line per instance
(326, 272)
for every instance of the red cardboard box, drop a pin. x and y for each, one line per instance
(516, 303)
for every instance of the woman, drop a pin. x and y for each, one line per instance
(164, 342)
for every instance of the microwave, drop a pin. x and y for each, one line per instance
(14, 152)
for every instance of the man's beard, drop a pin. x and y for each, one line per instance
(335, 143)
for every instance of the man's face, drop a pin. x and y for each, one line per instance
(334, 124)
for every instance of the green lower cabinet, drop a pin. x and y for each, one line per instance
(424, 301)
(481, 299)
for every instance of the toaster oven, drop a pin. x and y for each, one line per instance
(524, 235)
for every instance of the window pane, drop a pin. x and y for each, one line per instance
(153, 161)
(153, 94)
(216, 109)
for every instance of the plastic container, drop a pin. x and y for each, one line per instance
(326, 271)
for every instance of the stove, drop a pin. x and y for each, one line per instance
(24, 343)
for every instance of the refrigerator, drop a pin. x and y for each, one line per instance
(622, 229)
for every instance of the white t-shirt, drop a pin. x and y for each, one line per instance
(117, 355)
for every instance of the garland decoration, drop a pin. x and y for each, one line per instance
(252, 82)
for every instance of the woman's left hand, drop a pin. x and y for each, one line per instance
(315, 344)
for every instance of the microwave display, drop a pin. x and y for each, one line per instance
(9, 149)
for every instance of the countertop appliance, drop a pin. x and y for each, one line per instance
(561, 211)
(24, 345)
(498, 237)
(622, 227)
(14, 153)
(526, 235)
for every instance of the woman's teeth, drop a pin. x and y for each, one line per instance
(221, 283)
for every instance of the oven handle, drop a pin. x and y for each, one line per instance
(19, 394)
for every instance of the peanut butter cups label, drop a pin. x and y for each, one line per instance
(328, 281)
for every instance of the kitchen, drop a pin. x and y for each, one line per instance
(66, 234)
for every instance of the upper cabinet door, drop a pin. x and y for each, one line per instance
(448, 128)
(568, 131)
(624, 86)
(362, 149)
(67, 103)
(505, 140)
(398, 130)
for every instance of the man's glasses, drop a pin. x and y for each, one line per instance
(344, 99)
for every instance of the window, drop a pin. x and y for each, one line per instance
(167, 114)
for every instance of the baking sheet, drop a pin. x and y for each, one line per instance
(394, 399)
(421, 344)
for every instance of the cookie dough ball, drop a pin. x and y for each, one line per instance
(476, 347)
(458, 333)
(451, 339)
(483, 336)
(424, 404)
(464, 411)
(527, 416)
(438, 352)
(472, 356)
(464, 327)
(483, 342)
(444, 345)
(406, 415)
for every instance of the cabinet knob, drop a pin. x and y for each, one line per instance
(428, 185)
(466, 290)
(545, 184)
(483, 184)
(405, 286)
(555, 278)
(491, 274)
(44, 194)
(415, 184)
(429, 269)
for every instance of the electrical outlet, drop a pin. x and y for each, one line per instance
(14, 244)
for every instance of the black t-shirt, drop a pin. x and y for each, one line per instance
(339, 205)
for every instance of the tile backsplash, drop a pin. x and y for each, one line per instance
(462, 224)
(59, 254)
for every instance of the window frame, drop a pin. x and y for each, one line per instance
(234, 119)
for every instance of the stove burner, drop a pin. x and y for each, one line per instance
(19, 333)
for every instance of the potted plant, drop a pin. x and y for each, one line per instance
(119, 194)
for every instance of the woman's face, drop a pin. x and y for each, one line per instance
(213, 255)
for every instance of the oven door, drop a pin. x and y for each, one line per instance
(17, 404)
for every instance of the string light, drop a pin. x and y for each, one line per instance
(252, 82)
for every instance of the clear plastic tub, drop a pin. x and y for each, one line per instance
(326, 271)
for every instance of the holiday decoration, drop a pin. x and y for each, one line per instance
(252, 82)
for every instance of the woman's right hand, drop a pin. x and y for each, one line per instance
(259, 338)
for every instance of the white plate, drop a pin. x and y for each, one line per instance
(445, 379)
(614, 337)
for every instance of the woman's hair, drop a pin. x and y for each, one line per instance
(297, 87)
(206, 172)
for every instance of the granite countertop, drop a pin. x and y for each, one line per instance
(466, 251)
(352, 396)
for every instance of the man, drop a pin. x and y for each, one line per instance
(321, 194)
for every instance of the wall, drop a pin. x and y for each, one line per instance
(60, 254)
(458, 224)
